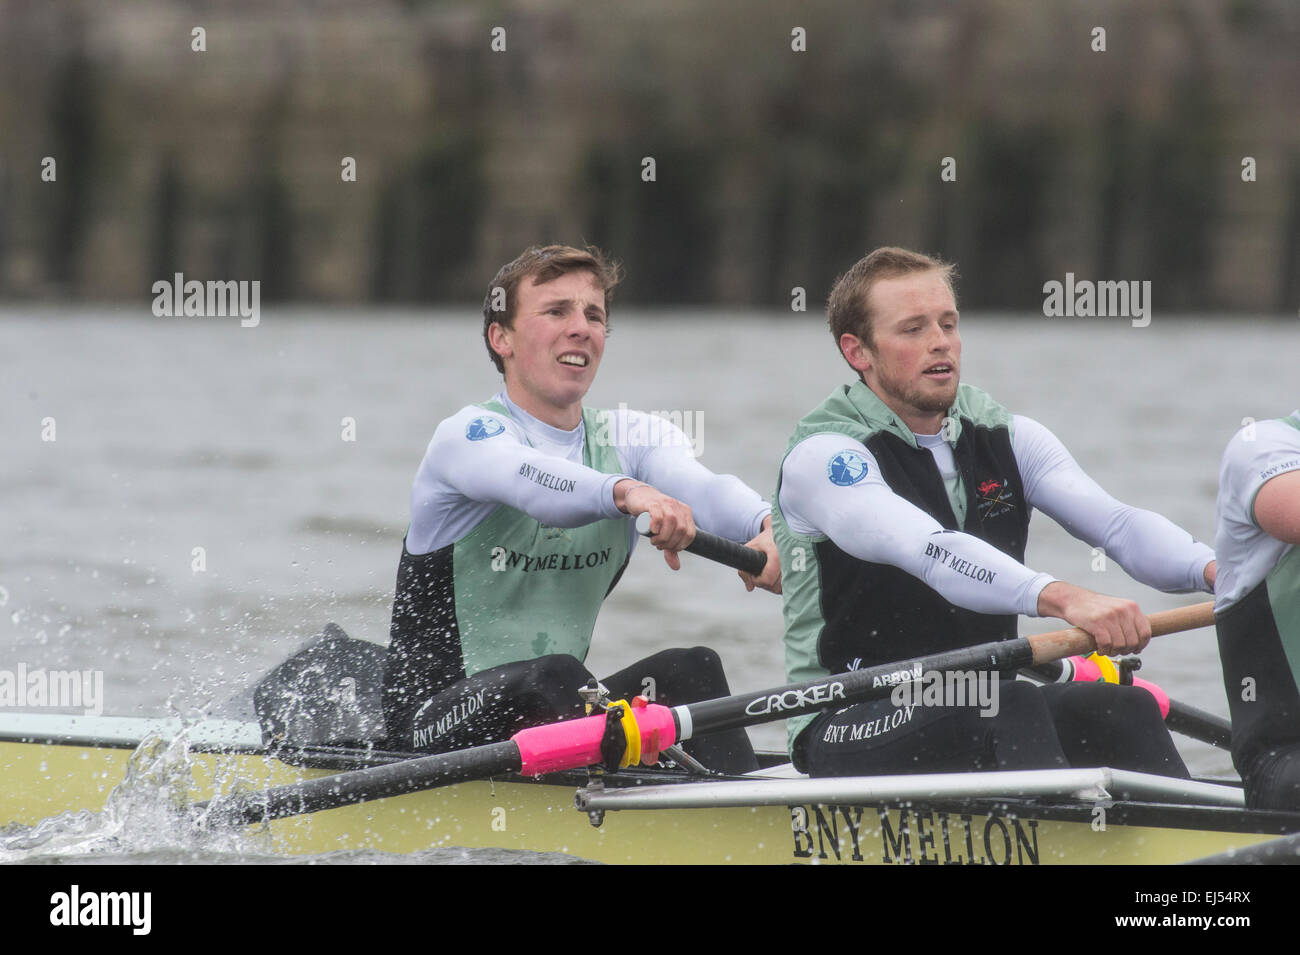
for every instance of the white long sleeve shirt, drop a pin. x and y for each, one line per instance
(536, 468)
(869, 521)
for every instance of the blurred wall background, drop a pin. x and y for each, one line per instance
(774, 168)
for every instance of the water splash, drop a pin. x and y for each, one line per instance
(147, 813)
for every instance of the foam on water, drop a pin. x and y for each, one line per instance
(146, 813)
(149, 819)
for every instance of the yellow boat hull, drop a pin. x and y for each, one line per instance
(46, 779)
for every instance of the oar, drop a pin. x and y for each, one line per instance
(1180, 717)
(712, 547)
(1198, 724)
(582, 742)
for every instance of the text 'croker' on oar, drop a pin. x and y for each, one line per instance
(648, 728)
(1180, 717)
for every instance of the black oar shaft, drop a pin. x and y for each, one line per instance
(719, 549)
(363, 785)
(444, 769)
(795, 699)
(728, 553)
(856, 686)
(1198, 724)
(1005, 656)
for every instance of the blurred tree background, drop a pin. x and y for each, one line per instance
(774, 168)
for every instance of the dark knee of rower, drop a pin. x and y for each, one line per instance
(1109, 699)
(559, 669)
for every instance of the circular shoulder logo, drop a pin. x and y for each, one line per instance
(481, 428)
(846, 468)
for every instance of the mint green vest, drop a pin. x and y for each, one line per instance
(525, 590)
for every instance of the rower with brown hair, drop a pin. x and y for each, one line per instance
(905, 497)
(521, 525)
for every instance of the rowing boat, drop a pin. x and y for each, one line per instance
(56, 764)
(273, 762)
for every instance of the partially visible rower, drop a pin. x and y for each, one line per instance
(1257, 606)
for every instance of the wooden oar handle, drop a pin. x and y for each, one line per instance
(719, 549)
(1060, 644)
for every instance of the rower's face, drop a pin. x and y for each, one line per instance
(914, 363)
(554, 346)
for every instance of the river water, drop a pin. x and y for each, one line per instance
(172, 434)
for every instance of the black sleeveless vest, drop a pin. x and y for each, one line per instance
(876, 613)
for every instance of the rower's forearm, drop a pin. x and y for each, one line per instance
(1149, 547)
(1157, 552)
(973, 574)
(552, 490)
(1055, 598)
(721, 503)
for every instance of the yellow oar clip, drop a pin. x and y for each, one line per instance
(1109, 672)
(631, 733)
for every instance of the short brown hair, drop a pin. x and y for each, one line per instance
(543, 263)
(848, 311)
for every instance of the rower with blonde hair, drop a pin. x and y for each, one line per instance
(905, 498)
